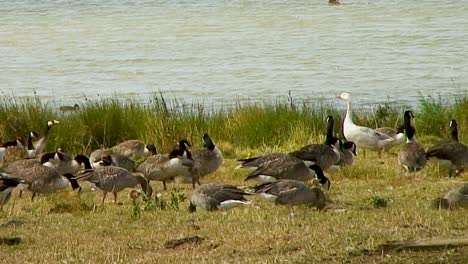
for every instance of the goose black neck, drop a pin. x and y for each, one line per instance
(409, 129)
(73, 181)
(454, 130)
(30, 143)
(82, 159)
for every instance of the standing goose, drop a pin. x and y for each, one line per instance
(164, 167)
(457, 197)
(114, 179)
(291, 192)
(398, 135)
(325, 155)
(214, 196)
(7, 184)
(205, 161)
(41, 143)
(134, 148)
(412, 156)
(363, 137)
(453, 155)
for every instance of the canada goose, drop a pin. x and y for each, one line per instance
(69, 108)
(325, 155)
(456, 197)
(7, 184)
(213, 196)
(96, 158)
(348, 150)
(164, 167)
(11, 148)
(134, 148)
(453, 128)
(288, 167)
(291, 192)
(205, 161)
(363, 137)
(453, 155)
(412, 156)
(114, 179)
(41, 143)
(39, 179)
(67, 164)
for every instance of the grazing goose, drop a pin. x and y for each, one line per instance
(456, 197)
(453, 155)
(348, 150)
(114, 179)
(363, 137)
(214, 196)
(41, 143)
(164, 167)
(205, 161)
(99, 155)
(291, 192)
(412, 156)
(325, 155)
(7, 184)
(134, 148)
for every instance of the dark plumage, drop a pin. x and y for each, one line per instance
(412, 156)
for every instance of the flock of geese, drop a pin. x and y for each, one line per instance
(282, 176)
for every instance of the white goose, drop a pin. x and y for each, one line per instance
(363, 137)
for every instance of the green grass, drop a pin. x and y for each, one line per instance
(376, 202)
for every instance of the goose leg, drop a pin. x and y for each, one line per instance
(104, 197)
(32, 196)
(164, 184)
(115, 197)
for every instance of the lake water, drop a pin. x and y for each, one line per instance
(219, 52)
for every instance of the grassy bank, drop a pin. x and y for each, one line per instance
(376, 202)
(110, 121)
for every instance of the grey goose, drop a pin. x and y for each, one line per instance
(291, 192)
(100, 156)
(164, 167)
(412, 156)
(456, 197)
(134, 148)
(214, 196)
(113, 179)
(348, 151)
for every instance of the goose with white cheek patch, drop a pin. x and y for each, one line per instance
(41, 143)
(214, 196)
(363, 137)
(164, 167)
(205, 161)
(453, 155)
(412, 156)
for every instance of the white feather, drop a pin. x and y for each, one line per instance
(265, 178)
(232, 203)
(268, 197)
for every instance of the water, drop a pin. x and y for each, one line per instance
(218, 52)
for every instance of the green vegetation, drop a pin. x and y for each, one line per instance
(376, 201)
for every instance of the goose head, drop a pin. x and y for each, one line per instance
(151, 148)
(50, 123)
(350, 146)
(345, 96)
(454, 130)
(184, 144)
(322, 179)
(207, 142)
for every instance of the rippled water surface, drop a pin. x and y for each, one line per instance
(216, 51)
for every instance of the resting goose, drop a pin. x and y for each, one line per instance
(398, 135)
(134, 148)
(325, 155)
(291, 192)
(214, 196)
(348, 150)
(456, 197)
(164, 167)
(113, 179)
(205, 161)
(363, 137)
(453, 155)
(412, 156)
